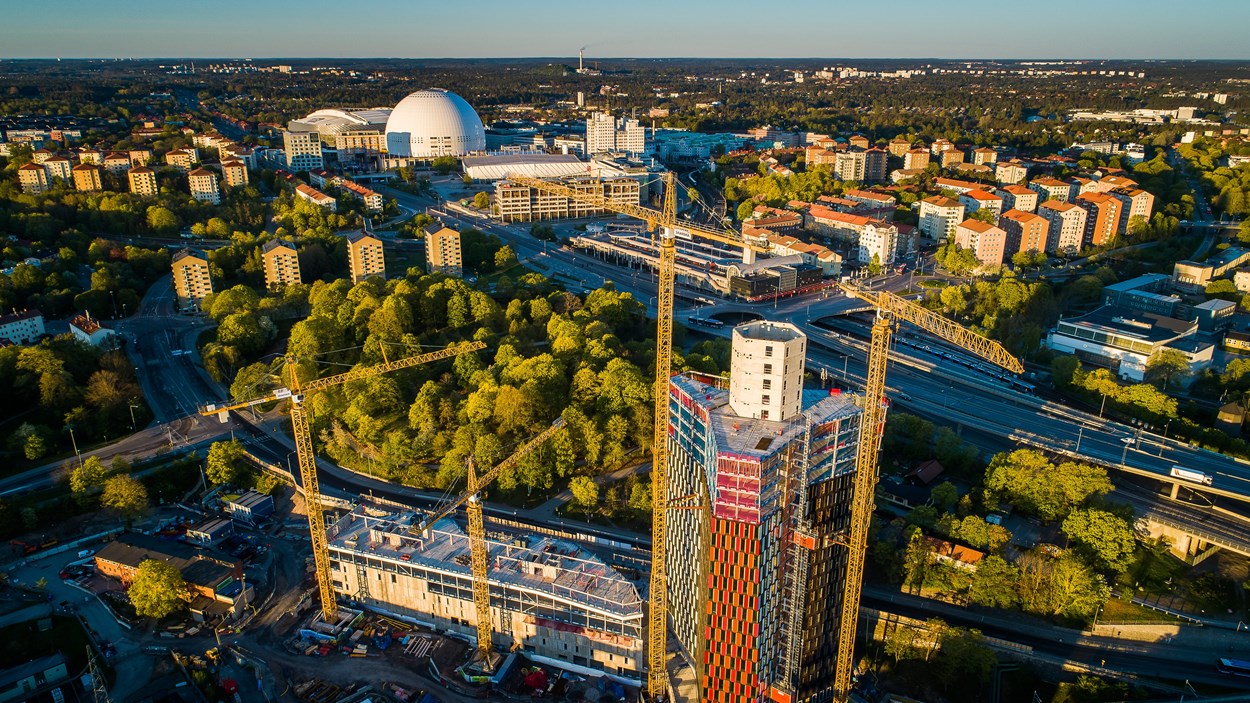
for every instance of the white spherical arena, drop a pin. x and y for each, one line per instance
(434, 122)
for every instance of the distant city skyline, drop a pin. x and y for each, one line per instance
(957, 29)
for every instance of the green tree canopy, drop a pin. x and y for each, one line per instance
(87, 477)
(585, 492)
(1105, 536)
(125, 495)
(158, 589)
(1030, 481)
(224, 462)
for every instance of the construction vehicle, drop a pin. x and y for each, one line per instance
(890, 309)
(665, 221)
(484, 657)
(297, 393)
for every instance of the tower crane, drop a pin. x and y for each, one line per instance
(478, 556)
(891, 309)
(297, 393)
(666, 221)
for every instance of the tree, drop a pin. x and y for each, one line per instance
(907, 438)
(158, 589)
(1223, 288)
(87, 477)
(444, 164)
(162, 220)
(505, 257)
(1105, 536)
(745, 209)
(585, 492)
(995, 584)
(1029, 480)
(964, 657)
(1166, 365)
(1063, 586)
(481, 201)
(874, 266)
(953, 299)
(944, 496)
(222, 464)
(126, 495)
(902, 644)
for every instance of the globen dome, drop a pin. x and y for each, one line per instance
(434, 122)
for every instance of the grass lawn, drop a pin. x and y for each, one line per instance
(1123, 611)
(932, 283)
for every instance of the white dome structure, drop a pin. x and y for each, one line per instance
(434, 122)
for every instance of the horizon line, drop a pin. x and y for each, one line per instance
(616, 58)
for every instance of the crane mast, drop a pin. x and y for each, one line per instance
(304, 454)
(890, 309)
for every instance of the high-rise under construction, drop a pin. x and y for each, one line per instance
(755, 577)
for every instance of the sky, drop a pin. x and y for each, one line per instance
(1005, 29)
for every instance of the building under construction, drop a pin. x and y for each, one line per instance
(548, 597)
(755, 596)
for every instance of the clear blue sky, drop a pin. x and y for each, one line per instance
(620, 28)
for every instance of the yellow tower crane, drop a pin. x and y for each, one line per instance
(890, 310)
(478, 556)
(666, 221)
(297, 393)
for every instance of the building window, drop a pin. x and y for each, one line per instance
(768, 351)
(763, 414)
(768, 384)
(768, 368)
(765, 399)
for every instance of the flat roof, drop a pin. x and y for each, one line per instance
(1145, 326)
(1146, 279)
(552, 566)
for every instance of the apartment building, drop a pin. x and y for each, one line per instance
(951, 157)
(1066, 228)
(517, 203)
(1010, 172)
(193, 282)
(975, 200)
(1052, 189)
(915, 160)
(1026, 231)
(898, 147)
(140, 157)
(116, 162)
(309, 194)
(960, 187)
(365, 256)
(606, 134)
(281, 261)
(877, 241)
(87, 178)
(1135, 203)
(21, 327)
(1018, 198)
(984, 156)
(33, 178)
(755, 592)
(142, 181)
(203, 185)
(302, 150)
(939, 216)
(60, 167)
(442, 250)
(183, 159)
(861, 165)
(373, 201)
(986, 241)
(1102, 218)
(234, 173)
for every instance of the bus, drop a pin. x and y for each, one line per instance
(1235, 667)
(1190, 475)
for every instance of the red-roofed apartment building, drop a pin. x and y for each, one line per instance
(986, 241)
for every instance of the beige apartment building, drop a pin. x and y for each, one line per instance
(898, 147)
(117, 162)
(916, 160)
(33, 178)
(1018, 198)
(87, 178)
(281, 263)
(193, 281)
(60, 167)
(939, 215)
(364, 256)
(203, 185)
(1026, 231)
(985, 240)
(182, 159)
(234, 173)
(142, 181)
(442, 250)
(1066, 228)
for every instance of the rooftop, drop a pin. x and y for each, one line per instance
(555, 567)
(1147, 327)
